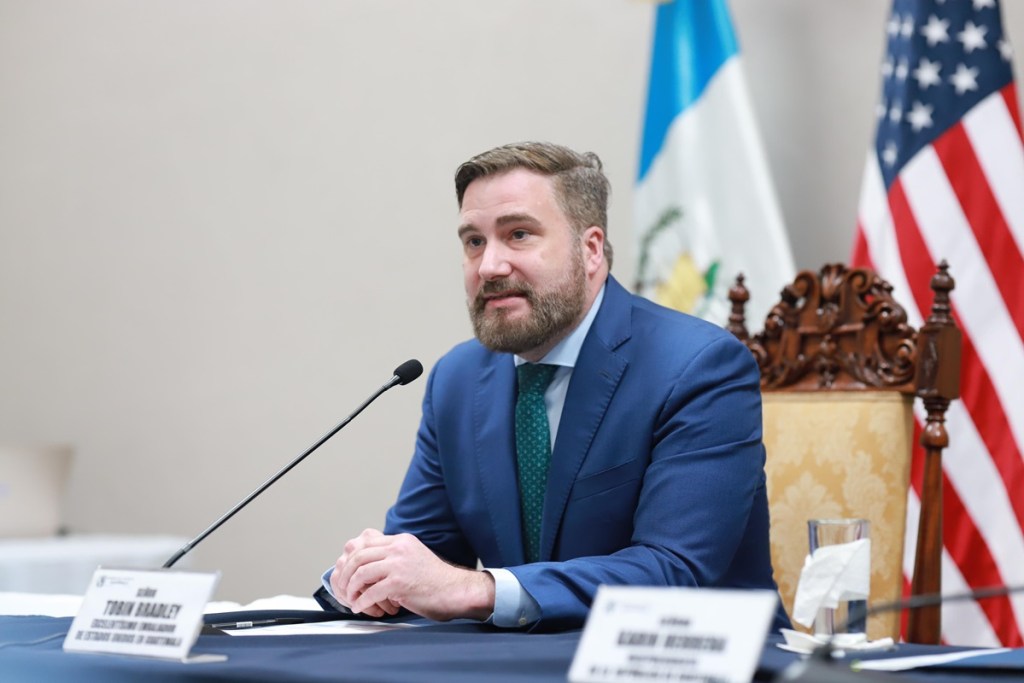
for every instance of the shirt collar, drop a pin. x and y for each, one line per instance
(567, 351)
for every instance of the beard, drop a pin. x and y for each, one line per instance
(553, 311)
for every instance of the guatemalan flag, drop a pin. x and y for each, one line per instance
(705, 207)
(944, 179)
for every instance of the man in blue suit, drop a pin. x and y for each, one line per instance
(651, 463)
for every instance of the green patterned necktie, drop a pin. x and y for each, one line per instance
(533, 449)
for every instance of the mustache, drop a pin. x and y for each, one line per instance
(504, 286)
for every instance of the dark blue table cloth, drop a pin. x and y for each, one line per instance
(434, 652)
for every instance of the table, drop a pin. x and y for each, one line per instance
(456, 653)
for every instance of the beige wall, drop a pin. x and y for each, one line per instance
(223, 223)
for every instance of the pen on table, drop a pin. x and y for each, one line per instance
(257, 622)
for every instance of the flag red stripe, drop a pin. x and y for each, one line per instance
(960, 534)
(961, 539)
(969, 551)
(959, 531)
(860, 256)
(1009, 94)
(991, 232)
(982, 403)
(977, 391)
(918, 265)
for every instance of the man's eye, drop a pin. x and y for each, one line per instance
(474, 242)
(519, 234)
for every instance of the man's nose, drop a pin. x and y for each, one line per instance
(494, 263)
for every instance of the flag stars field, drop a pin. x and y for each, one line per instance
(1005, 49)
(890, 154)
(947, 53)
(972, 37)
(902, 69)
(936, 31)
(964, 79)
(894, 25)
(896, 113)
(927, 73)
(920, 116)
(907, 29)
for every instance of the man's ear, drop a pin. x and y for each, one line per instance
(592, 241)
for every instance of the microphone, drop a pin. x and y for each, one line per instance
(820, 668)
(403, 374)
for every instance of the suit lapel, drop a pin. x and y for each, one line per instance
(596, 376)
(494, 445)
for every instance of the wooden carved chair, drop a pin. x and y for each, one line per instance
(840, 368)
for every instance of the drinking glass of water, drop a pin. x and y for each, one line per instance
(822, 532)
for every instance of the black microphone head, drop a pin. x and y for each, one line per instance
(408, 371)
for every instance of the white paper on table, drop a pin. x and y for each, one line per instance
(341, 626)
(276, 602)
(906, 663)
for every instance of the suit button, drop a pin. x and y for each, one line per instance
(522, 621)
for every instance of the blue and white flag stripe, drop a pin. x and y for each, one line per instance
(705, 207)
(682, 64)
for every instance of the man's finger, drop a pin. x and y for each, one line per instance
(371, 568)
(354, 563)
(375, 596)
(367, 537)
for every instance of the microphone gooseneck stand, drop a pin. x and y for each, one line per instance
(404, 373)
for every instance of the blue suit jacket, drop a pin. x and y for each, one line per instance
(656, 478)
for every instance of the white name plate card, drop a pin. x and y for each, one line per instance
(635, 633)
(148, 613)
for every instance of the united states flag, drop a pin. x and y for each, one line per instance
(945, 179)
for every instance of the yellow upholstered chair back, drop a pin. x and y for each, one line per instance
(839, 455)
(840, 368)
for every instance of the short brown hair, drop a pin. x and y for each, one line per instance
(581, 187)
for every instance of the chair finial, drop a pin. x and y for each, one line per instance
(942, 284)
(739, 295)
